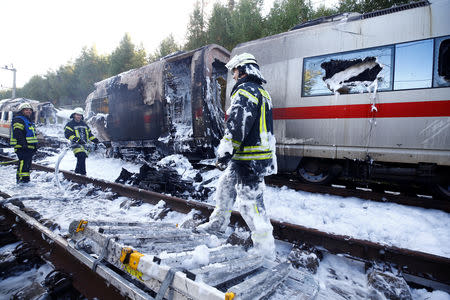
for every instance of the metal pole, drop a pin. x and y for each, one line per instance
(13, 96)
(14, 84)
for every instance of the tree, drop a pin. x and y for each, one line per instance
(323, 11)
(285, 14)
(247, 21)
(365, 6)
(166, 47)
(36, 88)
(89, 68)
(220, 30)
(126, 57)
(196, 34)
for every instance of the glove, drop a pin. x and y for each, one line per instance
(94, 147)
(80, 141)
(222, 162)
(95, 140)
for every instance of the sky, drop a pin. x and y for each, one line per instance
(38, 36)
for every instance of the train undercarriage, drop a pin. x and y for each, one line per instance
(377, 175)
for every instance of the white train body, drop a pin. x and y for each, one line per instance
(43, 113)
(405, 116)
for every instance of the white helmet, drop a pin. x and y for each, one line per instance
(78, 111)
(240, 60)
(24, 105)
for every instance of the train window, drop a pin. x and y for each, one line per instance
(5, 116)
(413, 65)
(1, 115)
(350, 72)
(100, 105)
(441, 62)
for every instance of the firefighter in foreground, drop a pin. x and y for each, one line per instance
(79, 133)
(247, 150)
(24, 140)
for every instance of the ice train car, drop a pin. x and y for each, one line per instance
(362, 95)
(43, 113)
(175, 104)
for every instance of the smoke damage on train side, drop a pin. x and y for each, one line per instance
(174, 105)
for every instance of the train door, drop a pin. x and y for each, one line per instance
(178, 94)
(208, 104)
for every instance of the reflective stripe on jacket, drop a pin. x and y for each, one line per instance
(23, 133)
(75, 131)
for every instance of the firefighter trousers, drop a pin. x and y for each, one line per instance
(81, 163)
(25, 157)
(241, 184)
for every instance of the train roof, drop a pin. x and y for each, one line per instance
(343, 17)
(168, 58)
(354, 16)
(12, 104)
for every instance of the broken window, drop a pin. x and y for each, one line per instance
(350, 72)
(442, 62)
(413, 65)
(100, 105)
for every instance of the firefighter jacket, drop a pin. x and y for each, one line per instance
(79, 134)
(249, 127)
(23, 133)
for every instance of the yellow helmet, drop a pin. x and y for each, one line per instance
(240, 60)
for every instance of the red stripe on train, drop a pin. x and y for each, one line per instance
(384, 110)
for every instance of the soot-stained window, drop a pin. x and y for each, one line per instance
(441, 62)
(100, 105)
(350, 72)
(413, 65)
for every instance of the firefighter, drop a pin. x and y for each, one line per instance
(24, 140)
(247, 153)
(79, 133)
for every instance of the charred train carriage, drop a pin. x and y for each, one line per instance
(362, 96)
(367, 96)
(43, 113)
(175, 104)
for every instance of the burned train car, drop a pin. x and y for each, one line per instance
(362, 95)
(175, 104)
(43, 113)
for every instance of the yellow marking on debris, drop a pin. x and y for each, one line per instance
(81, 225)
(134, 259)
(133, 272)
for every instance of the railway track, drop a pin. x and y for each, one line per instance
(422, 268)
(376, 193)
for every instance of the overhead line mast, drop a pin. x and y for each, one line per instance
(14, 78)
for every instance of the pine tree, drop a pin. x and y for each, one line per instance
(247, 21)
(220, 30)
(196, 32)
(285, 14)
(126, 57)
(166, 47)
